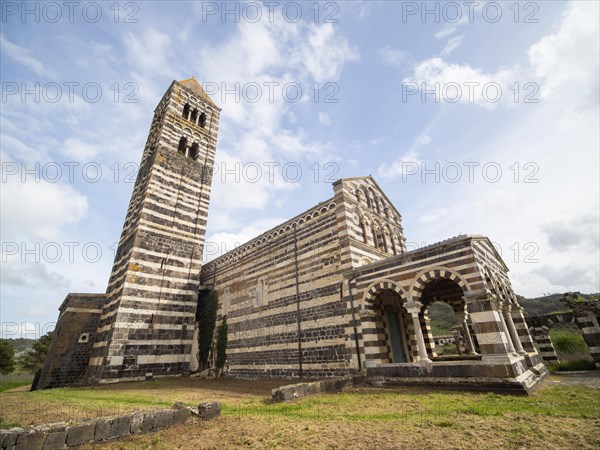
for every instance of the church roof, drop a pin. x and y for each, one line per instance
(193, 85)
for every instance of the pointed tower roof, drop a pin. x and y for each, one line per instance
(193, 85)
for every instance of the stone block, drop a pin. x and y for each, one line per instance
(148, 422)
(31, 440)
(181, 415)
(102, 431)
(121, 426)
(137, 419)
(81, 434)
(179, 405)
(163, 418)
(209, 410)
(55, 440)
(8, 438)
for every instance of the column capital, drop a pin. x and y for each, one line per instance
(413, 306)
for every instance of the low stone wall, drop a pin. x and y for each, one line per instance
(298, 390)
(61, 435)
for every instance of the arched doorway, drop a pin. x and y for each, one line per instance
(392, 319)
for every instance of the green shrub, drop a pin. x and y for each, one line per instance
(221, 345)
(207, 317)
(7, 357)
(567, 341)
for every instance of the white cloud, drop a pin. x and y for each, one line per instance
(23, 56)
(221, 242)
(324, 118)
(256, 133)
(38, 209)
(570, 56)
(462, 83)
(450, 28)
(452, 45)
(408, 161)
(149, 51)
(392, 57)
(79, 150)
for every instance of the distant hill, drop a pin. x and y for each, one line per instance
(548, 304)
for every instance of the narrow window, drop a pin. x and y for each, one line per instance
(186, 111)
(194, 151)
(182, 145)
(363, 224)
(202, 121)
(194, 115)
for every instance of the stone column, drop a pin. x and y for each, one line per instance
(462, 318)
(513, 331)
(413, 308)
(522, 329)
(504, 328)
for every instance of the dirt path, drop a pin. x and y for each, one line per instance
(583, 379)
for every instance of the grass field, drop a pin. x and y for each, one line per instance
(555, 417)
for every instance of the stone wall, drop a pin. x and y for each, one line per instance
(257, 286)
(72, 341)
(61, 435)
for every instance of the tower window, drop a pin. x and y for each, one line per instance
(186, 111)
(194, 151)
(194, 115)
(182, 145)
(202, 121)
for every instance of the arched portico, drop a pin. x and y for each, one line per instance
(449, 287)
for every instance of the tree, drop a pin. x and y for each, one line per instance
(7, 357)
(34, 360)
(206, 317)
(221, 345)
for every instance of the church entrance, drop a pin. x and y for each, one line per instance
(395, 337)
(393, 319)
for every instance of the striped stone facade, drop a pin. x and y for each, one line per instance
(146, 324)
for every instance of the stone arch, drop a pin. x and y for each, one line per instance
(423, 277)
(379, 285)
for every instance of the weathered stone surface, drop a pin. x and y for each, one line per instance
(81, 434)
(9, 437)
(181, 415)
(148, 422)
(121, 426)
(209, 410)
(136, 422)
(163, 419)
(178, 405)
(55, 440)
(31, 440)
(102, 431)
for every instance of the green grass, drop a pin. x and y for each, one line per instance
(15, 380)
(573, 365)
(439, 407)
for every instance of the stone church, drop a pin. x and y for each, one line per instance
(331, 292)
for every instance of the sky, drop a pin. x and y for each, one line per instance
(473, 117)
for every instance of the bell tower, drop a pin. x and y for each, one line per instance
(146, 327)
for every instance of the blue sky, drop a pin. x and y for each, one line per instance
(513, 157)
